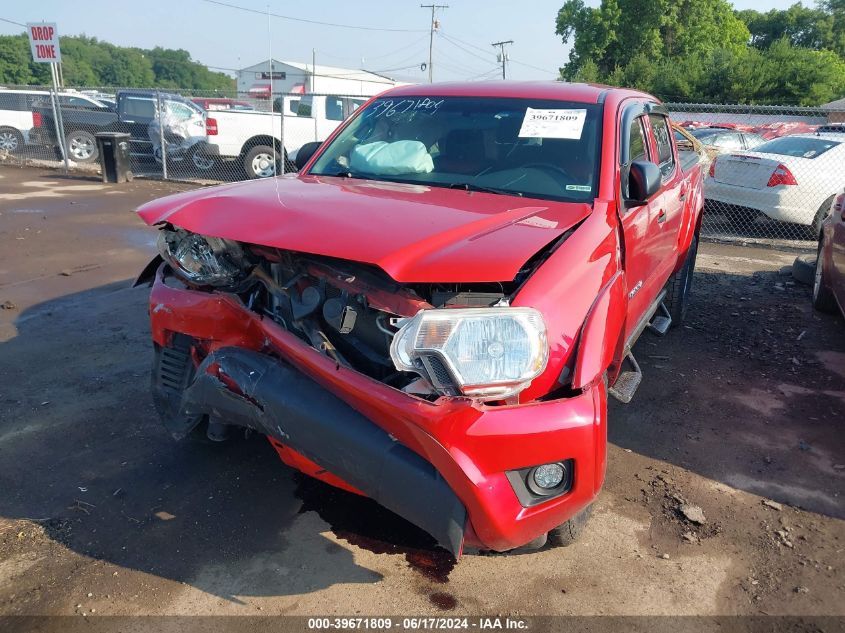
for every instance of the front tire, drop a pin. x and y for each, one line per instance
(680, 285)
(823, 299)
(566, 534)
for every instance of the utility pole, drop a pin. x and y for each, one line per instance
(503, 56)
(434, 27)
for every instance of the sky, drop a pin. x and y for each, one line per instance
(228, 38)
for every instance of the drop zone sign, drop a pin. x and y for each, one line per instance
(44, 42)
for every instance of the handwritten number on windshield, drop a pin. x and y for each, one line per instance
(390, 107)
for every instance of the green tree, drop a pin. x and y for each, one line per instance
(702, 50)
(617, 31)
(802, 26)
(87, 61)
(15, 60)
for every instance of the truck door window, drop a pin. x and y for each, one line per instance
(637, 146)
(665, 155)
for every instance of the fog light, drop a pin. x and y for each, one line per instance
(548, 476)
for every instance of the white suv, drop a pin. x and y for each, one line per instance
(16, 114)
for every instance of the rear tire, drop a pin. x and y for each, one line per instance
(11, 140)
(201, 161)
(81, 147)
(258, 162)
(680, 285)
(566, 534)
(823, 299)
(824, 210)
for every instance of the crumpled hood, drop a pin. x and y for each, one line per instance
(414, 233)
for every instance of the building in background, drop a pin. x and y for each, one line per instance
(836, 111)
(299, 78)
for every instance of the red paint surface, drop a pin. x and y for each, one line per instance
(413, 233)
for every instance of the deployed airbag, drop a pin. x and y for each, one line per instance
(391, 159)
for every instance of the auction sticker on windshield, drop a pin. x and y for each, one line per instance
(567, 124)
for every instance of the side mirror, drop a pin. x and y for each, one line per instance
(305, 153)
(644, 179)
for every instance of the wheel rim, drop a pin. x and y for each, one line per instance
(8, 141)
(263, 165)
(81, 147)
(203, 162)
(817, 276)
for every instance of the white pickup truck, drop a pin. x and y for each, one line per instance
(256, 137)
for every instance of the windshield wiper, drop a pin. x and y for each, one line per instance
(468, 186)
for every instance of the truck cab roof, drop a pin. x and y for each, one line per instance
(564, 91)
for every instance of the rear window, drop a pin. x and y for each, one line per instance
(798, 146)
(135, 106)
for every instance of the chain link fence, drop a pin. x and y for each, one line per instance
(771, 172)
(207, 137)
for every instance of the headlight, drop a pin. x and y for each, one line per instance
(207, 261)
(484, 353)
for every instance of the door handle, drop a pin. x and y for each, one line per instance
(683, 195)
(661, 216)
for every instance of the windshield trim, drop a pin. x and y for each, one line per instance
(308, 170)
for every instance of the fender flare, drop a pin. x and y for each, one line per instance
(602, 336)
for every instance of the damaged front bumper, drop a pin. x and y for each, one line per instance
(447, 466)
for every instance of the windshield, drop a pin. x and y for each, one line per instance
(798, 146)
(537, 148)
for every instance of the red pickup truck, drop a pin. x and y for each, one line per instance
(433, 311)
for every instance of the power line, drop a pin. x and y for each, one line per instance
(470, 44)
(457, 69)
(370, 58)
(545, 70)
(12, 22)
(478, 48)
(469, 52)
(307, 21)
(488, 75)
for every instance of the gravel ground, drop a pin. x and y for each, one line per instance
(723, 495)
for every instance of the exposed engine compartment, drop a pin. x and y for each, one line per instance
(351, 311)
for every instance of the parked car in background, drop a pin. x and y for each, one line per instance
(721, 140)
(220, 103)
(135, 112)
(790, 179)
(255, 138)
(829, 282)
(688, 143)
(435, 309)
(16, 113)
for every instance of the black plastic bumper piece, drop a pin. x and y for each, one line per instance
(245, 388)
